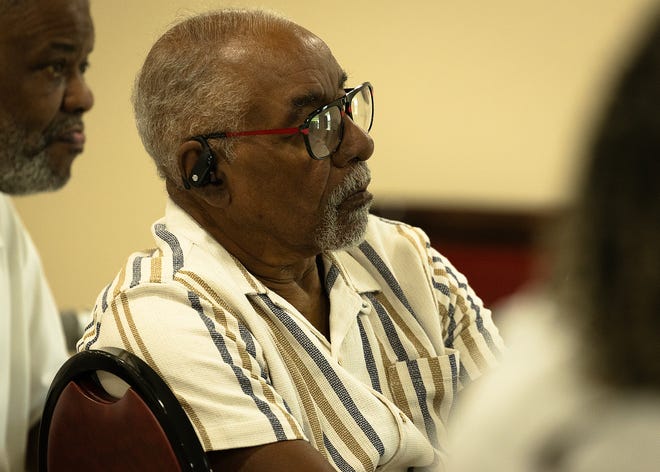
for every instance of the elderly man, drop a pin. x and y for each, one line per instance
(44, 46)
(298, 332)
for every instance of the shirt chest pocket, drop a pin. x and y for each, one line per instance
(424, 390)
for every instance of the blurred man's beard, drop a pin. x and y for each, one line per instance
(24, 164)
(340, 231)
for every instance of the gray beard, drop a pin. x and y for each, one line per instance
(24, 164)
(335, 233)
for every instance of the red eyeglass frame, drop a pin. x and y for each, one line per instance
(343, 103)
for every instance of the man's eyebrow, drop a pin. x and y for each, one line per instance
(310, 98)
(62, 46)
(343, 79)
(301, 101)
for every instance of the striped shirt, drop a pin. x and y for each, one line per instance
(406, 332)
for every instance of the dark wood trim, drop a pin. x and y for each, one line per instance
(473, 225)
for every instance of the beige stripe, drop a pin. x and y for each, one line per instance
(394, 315)
(443, 312)
(120, 326)
(203, 289)
(321, 400)
(156, 270)
(91, 332)
(465, 334)
(190, 411)
(473, 349)
(301, 388)
(120, 282)
(417, 241)
(150, 360)
(221, 319)
(396, 389)
(246, 362)
(248, 277)
(439, 397)
(136, 334)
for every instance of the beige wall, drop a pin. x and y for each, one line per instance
(478, 102)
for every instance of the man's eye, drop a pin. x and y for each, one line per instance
(55, 69)
(84, 66)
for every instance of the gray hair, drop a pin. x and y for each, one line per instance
(187, 85)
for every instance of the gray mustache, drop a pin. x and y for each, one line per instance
(356, 180)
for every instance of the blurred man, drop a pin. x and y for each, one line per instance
(44, 46)
(579, 389)
(298, 331)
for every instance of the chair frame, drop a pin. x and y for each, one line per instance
(146, 383)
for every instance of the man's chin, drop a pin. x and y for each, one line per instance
(36, 175)
(347, 232)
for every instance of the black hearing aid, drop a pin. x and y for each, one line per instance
(204, 167)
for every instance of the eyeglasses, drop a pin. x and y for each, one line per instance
(323, 128)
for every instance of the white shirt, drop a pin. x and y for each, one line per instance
(405, 332)
(32, 345)
(539, 411)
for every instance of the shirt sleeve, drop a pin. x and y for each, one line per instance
(467, 325)
(206, 355)
(44, 345)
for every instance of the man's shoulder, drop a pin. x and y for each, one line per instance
(386, 234)
(391, 246)
(8, 216)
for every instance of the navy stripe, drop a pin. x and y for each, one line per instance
(95, 338)
(339, 461)
(454, 373)
(331, 278)
(420, 391)
(442, 288)
(479, 321)
(173, 243)
(369, 358)
(463, 375)
(243, 380)
(390, 329)
(104, 298)
(137, 271)
(451, 313)
(386, 274)
(91, 323)
(247, 338)
(328, 372)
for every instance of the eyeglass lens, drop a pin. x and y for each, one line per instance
(325, 128)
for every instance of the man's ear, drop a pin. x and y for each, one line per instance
(197, 163)
(198, 168)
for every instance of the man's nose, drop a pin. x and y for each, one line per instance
(78, 97)
(355, 144)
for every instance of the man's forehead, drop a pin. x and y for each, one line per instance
(49, 19)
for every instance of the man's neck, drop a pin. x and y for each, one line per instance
(298, 278)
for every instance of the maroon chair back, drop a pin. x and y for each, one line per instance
(86, 428)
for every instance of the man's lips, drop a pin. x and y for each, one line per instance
(358, 198)
(74, 137)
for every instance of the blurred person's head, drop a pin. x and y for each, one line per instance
(44, 45)
(615, 260)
